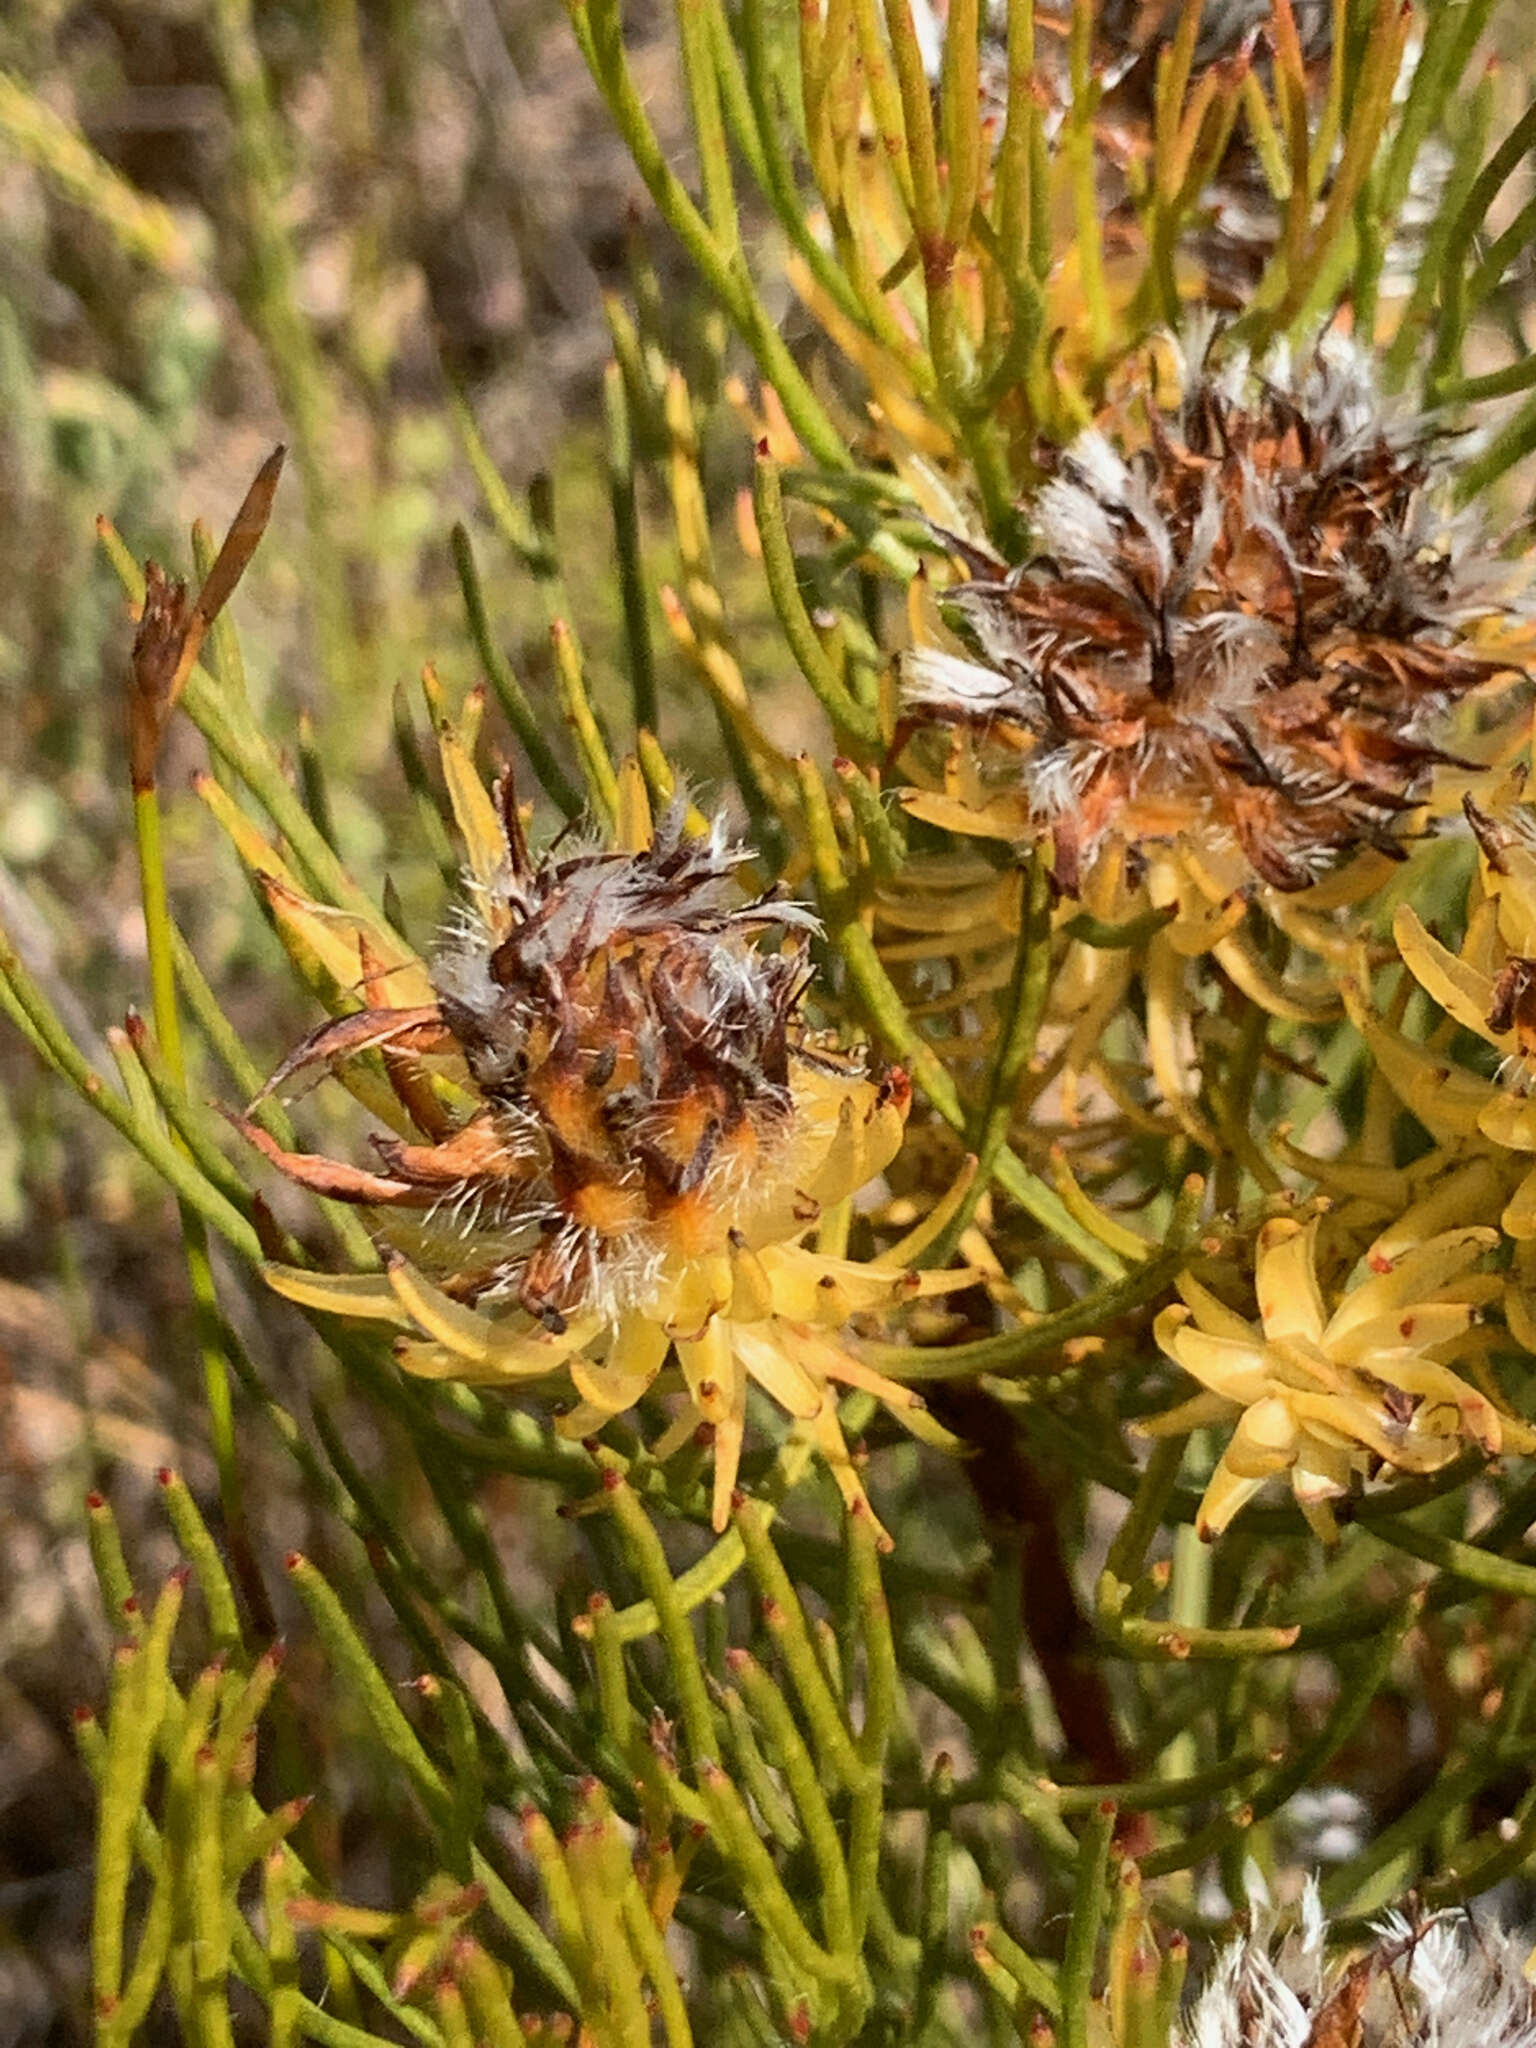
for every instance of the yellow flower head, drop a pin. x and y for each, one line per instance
(1330, 1393)
(638, 1131)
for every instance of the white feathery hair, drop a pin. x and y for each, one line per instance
(1445, 1982)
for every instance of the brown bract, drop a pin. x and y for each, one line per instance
(172, 625)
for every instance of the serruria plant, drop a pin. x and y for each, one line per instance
(1128, 985)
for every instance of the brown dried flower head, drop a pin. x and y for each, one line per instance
(642, 1072)
(1242, 626)
(626, 1128)
(634, 1043)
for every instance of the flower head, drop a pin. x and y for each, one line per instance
(1241, 629)
(640, 1129)
(1328, 1395)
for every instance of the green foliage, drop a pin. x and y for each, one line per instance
(620, 1773)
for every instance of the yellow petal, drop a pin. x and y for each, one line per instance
(1213, 1315)
(586, 1419)
(1423, 1326)
(1230, 1366)
(826, 1359)
(692, 1296)
(1515, 891)
(1437, 1384)
(1248, 970)
(633, 831)
(931, 1226)
(1460, 990)
(503, 1347)
(730, 1431)
(1170, 1047)
(1470, 1191)
(1313, 932)
(1202, 928)
(1446, 1099)
(639, 1346)
(809, 1288)
(258, 853)
(1322, 1470)
(883, 1135)
(826, 1432)
(366, 1296)
(332, 936)
(1348, 1416)
(637, 1353)
(427, 1361)
(682, 1429)
(1264, 1440)
(1520, 1312)
(1000, 820)
(1285, 1278)
(1413, 1277)
(958, 914)
(1519, 1218)
(1225, 1497)
(782, 1378)
(751, 1286)
(1108, 1229)
(1510, 1120)
(447, 1321)
(1383, 1186)
(485, 842)
(1350, 884)
(1167, 1325)
(1198, 1412)
(708, 1370)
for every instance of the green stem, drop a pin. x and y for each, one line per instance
(1455, 269)
(627, 550)
(158, 930)
(1466, 1561)
(1308, 1762)
(850, 720)
(1084, 1926)
(521, 715)
(599, 32)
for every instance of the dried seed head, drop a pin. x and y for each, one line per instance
(1242, 625)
